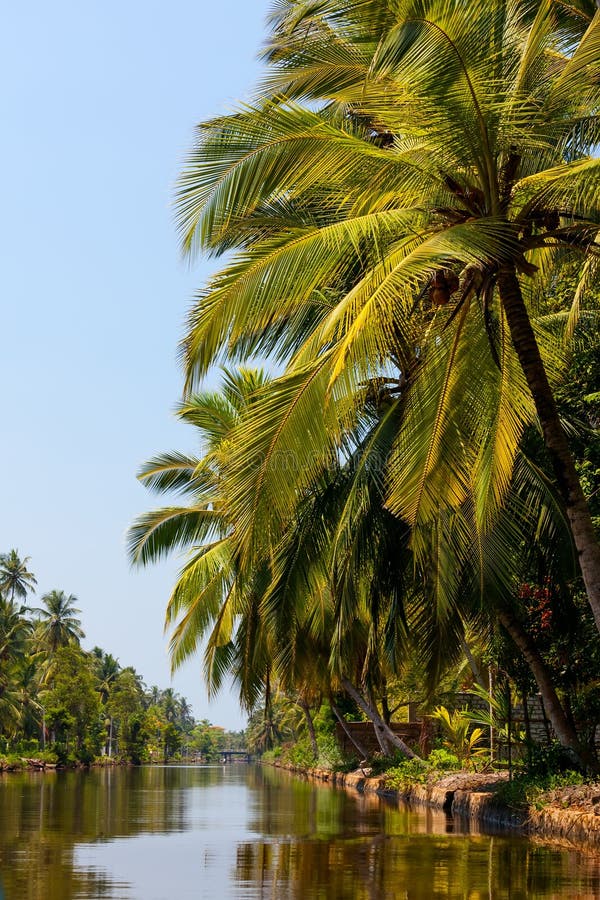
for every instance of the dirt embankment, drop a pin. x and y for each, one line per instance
(570, 815)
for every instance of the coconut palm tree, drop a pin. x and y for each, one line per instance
(15, 631)
(401, 197)
(343, 594)
(107, 670)
(15, 579)
(58, 622)
(204, 596)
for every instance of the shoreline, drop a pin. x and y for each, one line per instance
(31, 764)
(574, 829)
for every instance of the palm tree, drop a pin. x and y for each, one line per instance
(27, 687)
(107, 670)
(59, 625)
(335, 606)
(204, 597)
(15, 630)
(15, 579)
(401, 197)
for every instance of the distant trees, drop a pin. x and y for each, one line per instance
(72, 705)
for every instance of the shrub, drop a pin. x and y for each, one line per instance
(271, 755)
(301, 754)
(528, 790)
(47, 756)
(459, 737)
(442, 760)
(10, 761)
(26, 748)
(406, 773)
(331, 756)
(548, 760)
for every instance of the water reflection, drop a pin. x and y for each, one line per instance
(238, 832)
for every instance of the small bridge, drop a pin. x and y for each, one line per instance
(229, 756)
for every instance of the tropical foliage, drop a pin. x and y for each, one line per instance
(64, 704)
(408, 212)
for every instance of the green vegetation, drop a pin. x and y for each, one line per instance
(409, 213)
(531, 790)
(62, 705)
(459, 736)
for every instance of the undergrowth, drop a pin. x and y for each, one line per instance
(529, 789)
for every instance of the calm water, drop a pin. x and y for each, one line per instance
(246, 832)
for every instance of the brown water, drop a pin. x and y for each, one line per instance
(248, 832)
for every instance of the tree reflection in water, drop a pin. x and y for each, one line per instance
(253, 833)
(332, 843)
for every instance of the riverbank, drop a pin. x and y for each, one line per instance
(569, 815)
(34, 764)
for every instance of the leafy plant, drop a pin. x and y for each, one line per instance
(458, 738)
(407, 773)
(496, 716)
(442, 760)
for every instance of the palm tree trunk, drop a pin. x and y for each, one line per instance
(562, 727)
(385, 707)
(384, 732)
(384, 746)
(310, 726)
(475, 670)
(576, 507)
(362, 751)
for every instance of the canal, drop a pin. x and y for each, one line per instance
(248, 832)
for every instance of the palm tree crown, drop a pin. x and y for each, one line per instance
(15, 579)
(402, 198)
(59, 625)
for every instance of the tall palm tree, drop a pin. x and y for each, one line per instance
(15, 579)
(170, 702)
(204, 597)
(15, 630)
(59, 625)
(27, 687)
(107, 670)
(337, 601)
(400, 198)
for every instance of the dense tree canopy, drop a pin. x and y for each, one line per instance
(63, 704)
(409, 210)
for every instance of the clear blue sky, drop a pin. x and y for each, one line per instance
(99, 101)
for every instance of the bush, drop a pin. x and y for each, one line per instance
(26, 748)
(301, 754)
(406, 773)
(47, 756)
(528, 790)
(380, 764)
(271, 755)
(10, 761)
(548, 760)
(332, 757)
(442, 760)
